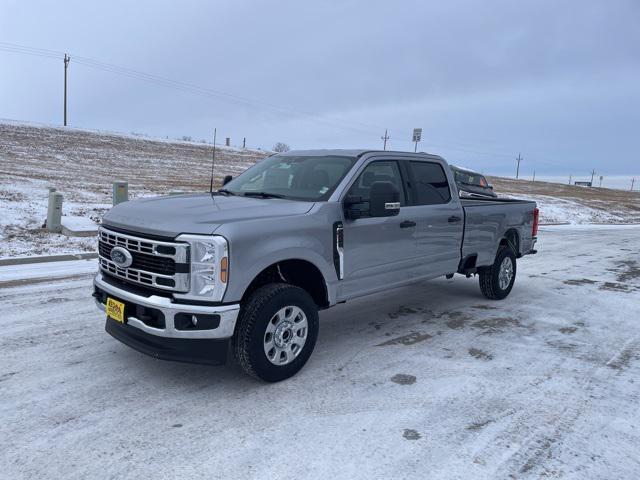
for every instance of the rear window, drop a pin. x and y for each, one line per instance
(430, 184)
(470, 178)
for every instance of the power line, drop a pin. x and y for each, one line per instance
(185, 87)
(359, 127)
(194, 89)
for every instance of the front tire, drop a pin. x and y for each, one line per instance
(276, 332)
(496, 281)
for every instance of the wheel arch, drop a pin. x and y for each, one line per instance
(295, 271)
(511, 238)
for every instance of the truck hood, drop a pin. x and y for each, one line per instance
(170, 216)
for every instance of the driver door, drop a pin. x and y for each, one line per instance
(378, 251)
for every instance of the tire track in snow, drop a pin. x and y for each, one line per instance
(537, 447)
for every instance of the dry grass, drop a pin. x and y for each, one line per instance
(90, 161)
(589, 196)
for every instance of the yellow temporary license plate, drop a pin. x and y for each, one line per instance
(115, 310)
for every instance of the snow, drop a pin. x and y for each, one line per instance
(79, 226)
(555, 210)
(79, 223)
(49, 270)
(428, 381)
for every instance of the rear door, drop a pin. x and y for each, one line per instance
(378, 251)
(436, 209)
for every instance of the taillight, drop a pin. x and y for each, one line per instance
(536, 218)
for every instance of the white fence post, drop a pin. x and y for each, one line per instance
(54, 212)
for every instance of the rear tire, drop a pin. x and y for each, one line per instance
(276, 332)
(496, 281)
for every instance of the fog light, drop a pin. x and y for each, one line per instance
(188, 321)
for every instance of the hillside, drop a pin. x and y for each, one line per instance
(82, 165)
(560, 203)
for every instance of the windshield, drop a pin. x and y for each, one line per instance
(296, 177)
(470, 178)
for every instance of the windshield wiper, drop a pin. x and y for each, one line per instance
(224, 190)
(263, 195)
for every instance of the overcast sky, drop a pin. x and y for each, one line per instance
(557, 81)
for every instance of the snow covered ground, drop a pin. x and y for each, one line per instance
(429, 381)
(554, 210)
(561, 203)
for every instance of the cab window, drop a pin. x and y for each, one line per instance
(378, 171)
(429, 186)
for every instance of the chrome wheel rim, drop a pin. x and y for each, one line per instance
(506, 273)
(285, 335)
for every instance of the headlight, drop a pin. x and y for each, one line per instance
(209, 258)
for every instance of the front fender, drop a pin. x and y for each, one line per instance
(251, 255)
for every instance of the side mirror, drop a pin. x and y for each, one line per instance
(349, 211)
(384, 200)
(490, 186)
(227, 179)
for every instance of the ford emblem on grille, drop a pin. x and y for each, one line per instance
(121, 257)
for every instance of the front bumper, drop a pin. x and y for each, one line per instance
(163, 339)
(162, 334)
(209, 351)
(227, 313)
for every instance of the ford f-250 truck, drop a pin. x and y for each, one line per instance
(250, 265)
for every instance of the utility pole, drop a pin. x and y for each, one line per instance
(66, 65)
(213, 158)
(569, 179)
(519, 159)
(534, 175)
(385, 138)
(633, 180)
(593, 172)
(244, 142)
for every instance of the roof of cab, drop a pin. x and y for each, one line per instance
(343, 152)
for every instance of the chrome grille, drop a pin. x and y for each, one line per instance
(142, 261)
(130, 243)
(158, 264)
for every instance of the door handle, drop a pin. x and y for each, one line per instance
(453, 219)
(407, 224)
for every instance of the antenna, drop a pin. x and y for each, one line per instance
(213, 159)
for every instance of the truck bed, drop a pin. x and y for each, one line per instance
(489, 219)
(476, 202)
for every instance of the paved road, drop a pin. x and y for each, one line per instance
(429, 381)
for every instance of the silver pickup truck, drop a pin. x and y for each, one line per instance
(250, 265)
